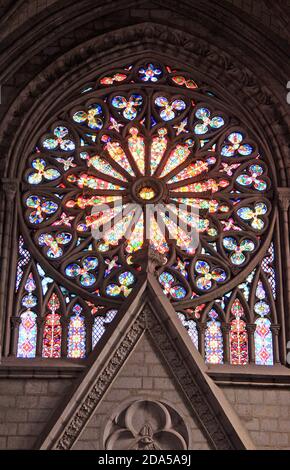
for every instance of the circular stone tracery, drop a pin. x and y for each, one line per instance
(146, 144)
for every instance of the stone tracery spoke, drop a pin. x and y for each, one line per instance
(163, 142)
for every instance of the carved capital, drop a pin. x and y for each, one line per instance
(251, 327)
(15, 322)
(226, 327)
(9, 187)
(283, 198)
(275, 329)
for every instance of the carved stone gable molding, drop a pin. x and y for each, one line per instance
(69, 425)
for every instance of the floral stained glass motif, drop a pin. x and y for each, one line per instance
(52, 329)
(238, 336)
(263, 334)
(76, 334)
(263, 342)
(213, 340)
(27, 335)
(126, 144)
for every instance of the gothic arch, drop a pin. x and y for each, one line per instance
(43, 88)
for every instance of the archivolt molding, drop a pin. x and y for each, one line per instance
(58, 82)
(59, 79)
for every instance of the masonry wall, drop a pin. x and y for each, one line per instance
(144, 375)
(265, 412)
(27, 404)
(25, 407)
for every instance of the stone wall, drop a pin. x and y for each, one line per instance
(265, 412)
(25, 408)
(144, 375)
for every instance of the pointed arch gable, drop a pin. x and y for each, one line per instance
(204, 399)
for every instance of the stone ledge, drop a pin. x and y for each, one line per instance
(41, 368)
(249, 375)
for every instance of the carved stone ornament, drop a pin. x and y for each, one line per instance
(146, 425)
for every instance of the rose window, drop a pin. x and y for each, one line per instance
(147, 159)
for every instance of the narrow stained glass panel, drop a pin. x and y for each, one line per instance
(52, 336)
(213, 340)
(77, 334)
(51, 346)
(27, 335)
(263, 342)
(238, 336)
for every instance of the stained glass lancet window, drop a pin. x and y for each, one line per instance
(147, 158)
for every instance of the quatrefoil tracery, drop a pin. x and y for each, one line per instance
(143, 145)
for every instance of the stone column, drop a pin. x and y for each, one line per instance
(89, 321)
(275, 334)
(251, 327)
(7, 234)
(201, 345)
(64, 332)
(15, 322)
(284, 202)
(226, 342)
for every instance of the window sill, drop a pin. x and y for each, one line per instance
(249, 374)
(41, 368)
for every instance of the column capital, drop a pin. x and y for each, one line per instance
(9, 187)
(15, 321)
(201, 326)
(64, 321)
(251, 327)
(283, 198)
(226, 327)
(275, 329)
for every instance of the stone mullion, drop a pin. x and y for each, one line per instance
(251, 327)
(64, 335)
(284, 201)
(89, 321)
(275, 335)
(15, 322)
(201, 327)
(9, 188)
(226, 327)
(40, 322)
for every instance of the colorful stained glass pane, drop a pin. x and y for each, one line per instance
(104, 167)
(238, 336)
(169, 109)
(117, 153)
(76, 334)
(137, 148)
(194, 169)
(176, 157)
(52, 336)
(263, 342)
(135, 241)
(158, 148)
(209, 185)
(27, 335)
(129, 107)
(156, 237)
(213, 341)
(91, 117)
